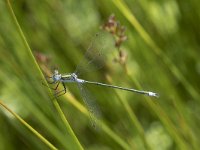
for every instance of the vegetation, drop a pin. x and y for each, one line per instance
(148, 45)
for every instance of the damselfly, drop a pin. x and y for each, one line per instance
(93, 53)
(72, 77)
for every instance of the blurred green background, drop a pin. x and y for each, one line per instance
(162, 56)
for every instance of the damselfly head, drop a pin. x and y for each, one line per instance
(56, 76)
(55, 72)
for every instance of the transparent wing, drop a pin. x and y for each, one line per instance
(90, 102)
(94, 57)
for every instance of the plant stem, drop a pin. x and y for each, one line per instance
(59, 110)
(43, 139)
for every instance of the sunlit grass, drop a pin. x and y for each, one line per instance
(160, 54)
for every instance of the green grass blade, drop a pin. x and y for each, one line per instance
(120, 4)
(69, 129)
(71, 99)
(133, 117)
(43, 139)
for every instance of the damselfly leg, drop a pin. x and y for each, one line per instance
(59, 93)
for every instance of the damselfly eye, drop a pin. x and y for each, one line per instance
(56, 77)
(55, 72)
